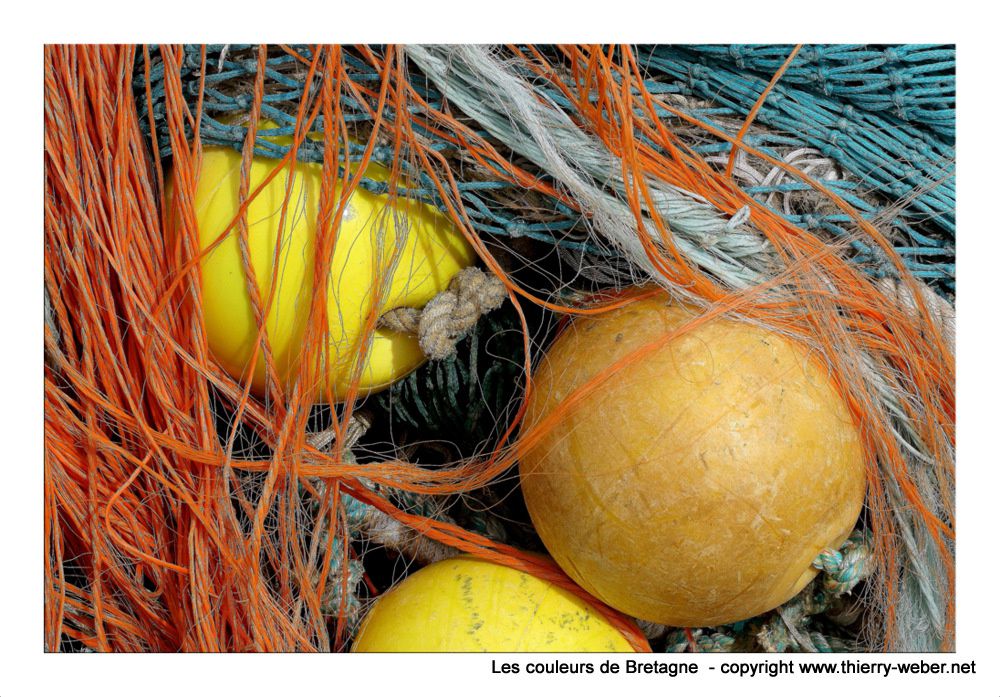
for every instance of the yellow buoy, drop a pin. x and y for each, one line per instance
(410, 249)
(465, 604)
(696, 486)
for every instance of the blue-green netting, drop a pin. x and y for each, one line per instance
(914, 83)
(885, 114)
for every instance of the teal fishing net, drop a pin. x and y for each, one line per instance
(914, 83)
(883, 115)
(898, 150)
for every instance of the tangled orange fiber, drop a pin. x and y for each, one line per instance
(153, 544)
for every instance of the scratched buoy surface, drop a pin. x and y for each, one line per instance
(696, 486)
(468, 605)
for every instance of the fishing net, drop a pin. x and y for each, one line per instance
(183, 512)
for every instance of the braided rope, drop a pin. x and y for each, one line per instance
(449, 315)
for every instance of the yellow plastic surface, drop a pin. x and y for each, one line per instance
(428, 251)
(468, 605)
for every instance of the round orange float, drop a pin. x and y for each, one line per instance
(695, 486)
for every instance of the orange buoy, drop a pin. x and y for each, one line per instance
(696, 486)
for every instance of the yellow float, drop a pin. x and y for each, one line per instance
(408, 249)
(465, 604)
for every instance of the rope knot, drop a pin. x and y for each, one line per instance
(449, 314)
(846, 567)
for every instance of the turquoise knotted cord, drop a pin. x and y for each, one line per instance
(914, 83)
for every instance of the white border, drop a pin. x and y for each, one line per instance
(26, 670)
